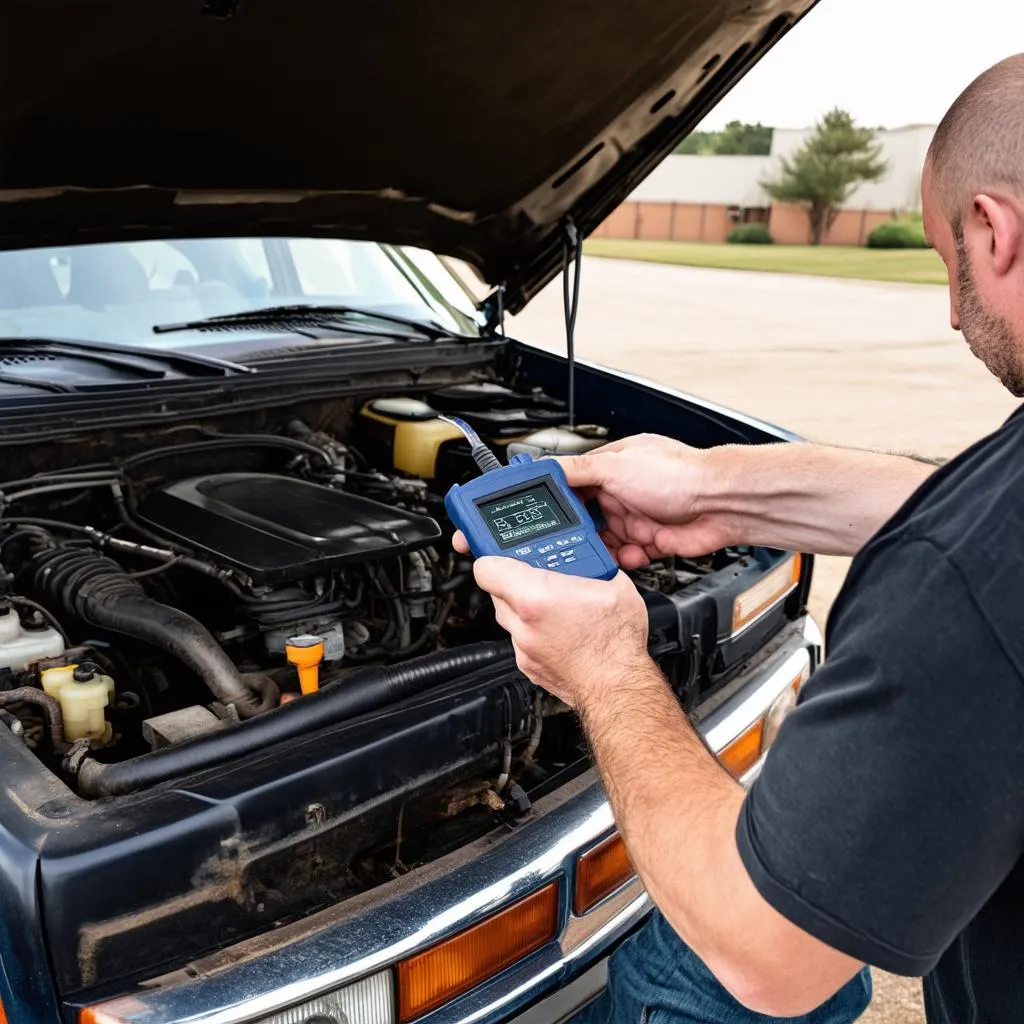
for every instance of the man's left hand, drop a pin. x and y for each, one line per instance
(570, 634)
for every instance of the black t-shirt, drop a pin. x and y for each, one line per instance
(889, 818)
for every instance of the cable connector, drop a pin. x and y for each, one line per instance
(485, 459)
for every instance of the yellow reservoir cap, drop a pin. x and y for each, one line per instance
(418, 434)
(306, 653)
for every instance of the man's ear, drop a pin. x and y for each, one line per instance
(1000, 219)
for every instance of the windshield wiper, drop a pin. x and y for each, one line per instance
(145, 362)
(297, 317)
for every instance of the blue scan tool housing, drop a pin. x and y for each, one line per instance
(526, 510)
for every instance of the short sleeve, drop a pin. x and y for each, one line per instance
(892, 804)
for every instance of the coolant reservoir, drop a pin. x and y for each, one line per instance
(83, 692)
(19, 646)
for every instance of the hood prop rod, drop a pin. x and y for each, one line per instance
(572, 249)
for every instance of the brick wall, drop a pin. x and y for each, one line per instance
(707, 222)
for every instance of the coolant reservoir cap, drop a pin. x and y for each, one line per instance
(85, 673)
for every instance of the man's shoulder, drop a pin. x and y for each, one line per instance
(975, 500)
(970, 514)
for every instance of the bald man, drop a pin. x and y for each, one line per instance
(887, 827)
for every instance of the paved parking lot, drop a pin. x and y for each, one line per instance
(848, 362)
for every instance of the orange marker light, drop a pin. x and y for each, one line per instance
(306, 652)
(3, 1016)
(433, 977)
(599, 872)
(741, 755)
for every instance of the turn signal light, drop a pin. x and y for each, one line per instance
(769, 589)
(433, 977)
(599, 872)
(741, 755)
(3, 1016)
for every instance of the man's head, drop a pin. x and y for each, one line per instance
(973, 205)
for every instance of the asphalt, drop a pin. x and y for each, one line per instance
(853, 363)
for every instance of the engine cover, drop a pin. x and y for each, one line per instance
(276, 529)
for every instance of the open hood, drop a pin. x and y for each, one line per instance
(470, 128)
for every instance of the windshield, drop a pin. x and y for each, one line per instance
(118, 292)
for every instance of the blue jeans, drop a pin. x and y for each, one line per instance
(654, 978)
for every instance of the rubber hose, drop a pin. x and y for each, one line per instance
(49, 706)
(356, 694)
(98, 591)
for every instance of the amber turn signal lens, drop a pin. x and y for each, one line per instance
(433, 977)
(599, 872)
(765, 592)
(3, 1016)
(741, 755)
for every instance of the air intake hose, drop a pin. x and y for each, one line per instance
(356, 694)
(96, 590)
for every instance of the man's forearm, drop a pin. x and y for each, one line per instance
(806, 497)
(677, 810)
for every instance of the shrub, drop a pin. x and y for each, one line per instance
(898, 234)
(750, 234)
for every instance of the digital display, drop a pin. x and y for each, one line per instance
(522, 515)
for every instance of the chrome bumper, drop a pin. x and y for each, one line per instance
(360, 939)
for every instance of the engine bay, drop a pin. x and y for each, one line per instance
(198, 578)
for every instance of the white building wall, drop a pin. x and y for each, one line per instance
(734, 180)
(715, 180)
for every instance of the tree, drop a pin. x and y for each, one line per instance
(696, 144)
(739, 139)
(823, 173)
(736, 138)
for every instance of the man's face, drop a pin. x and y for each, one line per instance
(989, 335)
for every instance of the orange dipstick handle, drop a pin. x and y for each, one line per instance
(306, 652)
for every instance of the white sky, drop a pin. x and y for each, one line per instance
(889, 62)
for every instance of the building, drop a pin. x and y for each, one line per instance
(701, 198)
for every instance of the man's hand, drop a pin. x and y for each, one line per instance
(650, 490)
(570, 635)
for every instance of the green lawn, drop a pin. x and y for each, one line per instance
(908, 266)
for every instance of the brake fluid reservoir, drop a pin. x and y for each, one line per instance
(19, 647)
(83, 693)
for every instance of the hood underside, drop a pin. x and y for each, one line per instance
(468, 128)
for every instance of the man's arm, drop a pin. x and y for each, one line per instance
(677, 810)
(810, 497)
(586, 642)
(660, 497)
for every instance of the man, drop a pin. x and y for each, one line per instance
(888, 825)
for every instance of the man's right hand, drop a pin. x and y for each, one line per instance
(660, 497)
(650, 489)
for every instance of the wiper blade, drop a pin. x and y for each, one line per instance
(146, 362)
(307, 315)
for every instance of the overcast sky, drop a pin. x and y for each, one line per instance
(889, 62)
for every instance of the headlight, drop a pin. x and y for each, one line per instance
(771, 588)
(370, 1001)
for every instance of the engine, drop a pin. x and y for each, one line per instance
(202, 577)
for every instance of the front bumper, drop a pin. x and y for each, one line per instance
(357, 942)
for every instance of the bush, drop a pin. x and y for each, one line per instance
(898, 234)
(750, 234)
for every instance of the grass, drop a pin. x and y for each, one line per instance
(906, 266)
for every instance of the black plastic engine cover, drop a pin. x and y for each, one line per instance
(276, 529)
